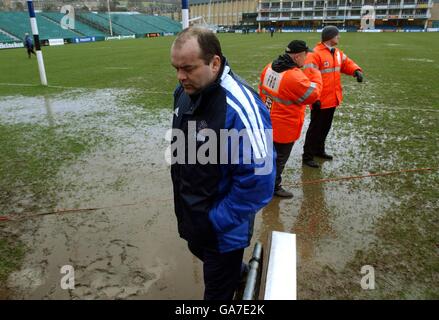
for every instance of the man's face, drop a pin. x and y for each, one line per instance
(192, 72)
(300, 58)
(335, 40)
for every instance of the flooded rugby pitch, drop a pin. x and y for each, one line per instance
(125, 245)
(84, 183)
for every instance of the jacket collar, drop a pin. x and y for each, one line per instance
(322, 46)
(196, 99)
(283, 63)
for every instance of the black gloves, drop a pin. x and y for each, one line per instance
(316, 105)
(358, 75)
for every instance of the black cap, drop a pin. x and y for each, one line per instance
(297, 46)
(329, 32)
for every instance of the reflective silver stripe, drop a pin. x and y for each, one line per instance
(329, 70)
(279, 100)
(344, 57)
(299, 101)
(310, 65)
(308, 92)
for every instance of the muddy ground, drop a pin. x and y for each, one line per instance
(127, 247)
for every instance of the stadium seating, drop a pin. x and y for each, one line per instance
(296, 28)
(17, 24)
(86, 24)
(136, 25)
(413, 27)
(5, 38)
(80, 27)
(163, 23)
(386, 27)
(101, 22)
(351, 28)
(127, 24)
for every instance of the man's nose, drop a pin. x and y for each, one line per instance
(181, 75)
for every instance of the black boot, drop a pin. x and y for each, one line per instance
(325, 156)
(282, 193)
(310, 163)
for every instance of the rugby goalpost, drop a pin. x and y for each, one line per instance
(35, 33)
(199, 21)
(202, 23)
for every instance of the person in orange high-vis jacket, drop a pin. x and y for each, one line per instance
(286, 91)
(331, 62)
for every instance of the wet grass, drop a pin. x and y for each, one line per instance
(393, 118)
(403, 252)
(403, 62)
(11, 256)
(31, 156)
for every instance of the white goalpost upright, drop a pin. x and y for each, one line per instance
(39, 53)
(109, 18)
(185, 13)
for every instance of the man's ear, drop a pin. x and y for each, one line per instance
(216, 64)
(294, 57)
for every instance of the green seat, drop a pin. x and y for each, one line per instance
(101, 20)
(18, 23)
(80, 27)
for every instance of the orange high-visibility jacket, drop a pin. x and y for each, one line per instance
(286, 94)
(331, 66)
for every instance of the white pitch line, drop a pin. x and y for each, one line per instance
(34, 85)
(18, 84)
(388, 108)
(62, 87)
(118, 68)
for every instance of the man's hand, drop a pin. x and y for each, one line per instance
(358, 75)
(316, 105)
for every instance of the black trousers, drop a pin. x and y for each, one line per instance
(222, 271)
(30, 50)
(283, 151)
(321, 121)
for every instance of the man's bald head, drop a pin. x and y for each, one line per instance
(207, 41)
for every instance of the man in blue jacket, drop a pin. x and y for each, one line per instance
(29, 44)
(216, 200)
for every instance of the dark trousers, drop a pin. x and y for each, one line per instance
(30, 50)
(283, 151)
(321, 121)
(222, 271)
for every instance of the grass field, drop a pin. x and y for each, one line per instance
(94, 138)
